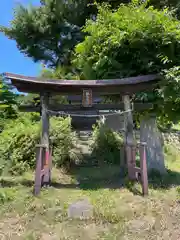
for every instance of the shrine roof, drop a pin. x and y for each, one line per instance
(128, 85)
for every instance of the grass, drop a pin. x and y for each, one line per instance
(118, 212)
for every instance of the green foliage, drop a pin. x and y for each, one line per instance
(45, 33)
(19, 138)
(6, 97)
(61, 72)
(7, 195)
(29, 99)
(167, 99)
(7, 103)
(169, 92)
(171, 152)
(48, 33)
(106, 144)
(63, 142)
(131, 41)
(171, 4)
(17, 145)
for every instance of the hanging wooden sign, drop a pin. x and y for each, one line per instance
(87, 98)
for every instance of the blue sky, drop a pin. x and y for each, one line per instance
(11, 60)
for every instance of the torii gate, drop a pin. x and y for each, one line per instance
(87, 89)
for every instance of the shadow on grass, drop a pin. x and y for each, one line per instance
(87, 184)
(29, 183)
(108, 177)
(98, 177)
(15, 183)
(157, 181)
(111, 178)
(86, 178)
(166, 181)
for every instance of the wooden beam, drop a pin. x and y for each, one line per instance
(143, 167)
(45, 120)
(69, 107)
(83, 83)
(29, 108)
(102, 87)
(45, 136)
(129, 138)
(42, 175)
(37, 184)
(128, 120)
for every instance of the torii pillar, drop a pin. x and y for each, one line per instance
(43, 158)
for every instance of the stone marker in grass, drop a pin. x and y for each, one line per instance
(81, 209)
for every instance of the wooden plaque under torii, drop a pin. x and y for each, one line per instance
(87, 98)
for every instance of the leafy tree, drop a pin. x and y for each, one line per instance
(44, 33)
(131, 41)
(28, 99)
(7, 103)
(164, 3)
(49, 33)
(7, 97)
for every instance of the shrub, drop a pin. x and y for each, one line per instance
(63, 142)
(7, 195)
(106, 144)
(19, 138)
(17, 145)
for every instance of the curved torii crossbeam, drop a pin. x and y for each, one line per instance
(102, 87)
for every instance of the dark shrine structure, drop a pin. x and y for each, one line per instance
(88, 93)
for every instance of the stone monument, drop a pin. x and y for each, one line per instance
(81, 209)
(150, 134)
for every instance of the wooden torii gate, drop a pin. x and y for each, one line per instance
(86, 89)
